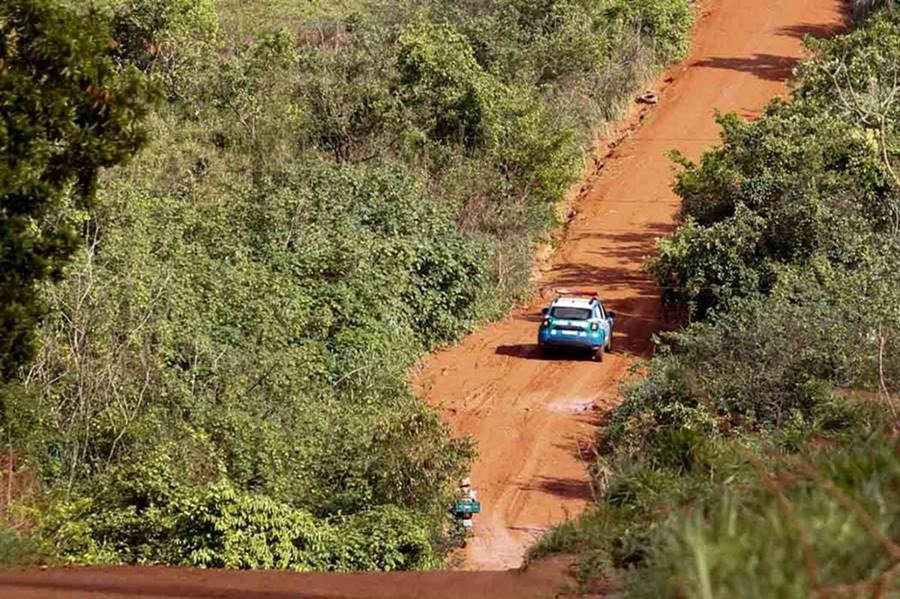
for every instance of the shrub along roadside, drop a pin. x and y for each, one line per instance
(757, 453)
(216, 526)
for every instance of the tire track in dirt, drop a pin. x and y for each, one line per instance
(531, 413)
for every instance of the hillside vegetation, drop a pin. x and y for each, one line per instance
(205, 348)
(757, 454)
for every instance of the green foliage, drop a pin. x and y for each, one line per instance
(385, 538)
(863, 9)
(327, 192)
(458, 100)
(775, 194)
(66, 113)
(704, 266)
(290, 339)
(59, 530)
(144, 521)
(18, 550)
(695, 511)
(744, 544)
(663, 23)
(143, 29)
(350, 110)
(852, 73)
(767, 363)
(220, 529)
(438, 70)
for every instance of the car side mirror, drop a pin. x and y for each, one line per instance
(544, 311)
(610, 314)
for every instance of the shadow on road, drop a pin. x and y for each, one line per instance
(567, 488)
(817, 30)
(769, 67)
(532, 351)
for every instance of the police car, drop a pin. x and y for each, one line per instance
(577, 319)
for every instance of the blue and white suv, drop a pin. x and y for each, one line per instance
(577, 319)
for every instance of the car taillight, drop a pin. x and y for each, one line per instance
(595, 326)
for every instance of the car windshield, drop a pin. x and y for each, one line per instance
(571, 313)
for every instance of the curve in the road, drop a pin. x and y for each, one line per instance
(532, 419)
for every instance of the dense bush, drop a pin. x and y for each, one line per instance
(154, 519)
(146, 31)
(861, 9)
(280, 345)
(776, 194)
(770, 363)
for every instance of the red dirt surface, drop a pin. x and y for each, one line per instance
(538, 581)
(533, 418)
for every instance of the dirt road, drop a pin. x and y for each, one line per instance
(532, 418)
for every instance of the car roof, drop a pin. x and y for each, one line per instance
(573, 302)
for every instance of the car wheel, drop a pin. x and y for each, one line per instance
(609, 344)
(597, 355)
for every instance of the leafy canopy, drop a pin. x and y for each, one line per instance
(65, 113)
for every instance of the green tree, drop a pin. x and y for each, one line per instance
(145, 30)
(65, 112)
(439, 72)
(789, 189)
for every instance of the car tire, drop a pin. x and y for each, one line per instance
(609, 346)
(597, 355)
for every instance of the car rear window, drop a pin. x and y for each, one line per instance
(571, 313)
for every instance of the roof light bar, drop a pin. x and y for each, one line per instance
(577, 292)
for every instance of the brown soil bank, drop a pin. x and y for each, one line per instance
(532, 418)
(540, 581)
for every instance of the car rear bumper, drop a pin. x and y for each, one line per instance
(585, 339)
